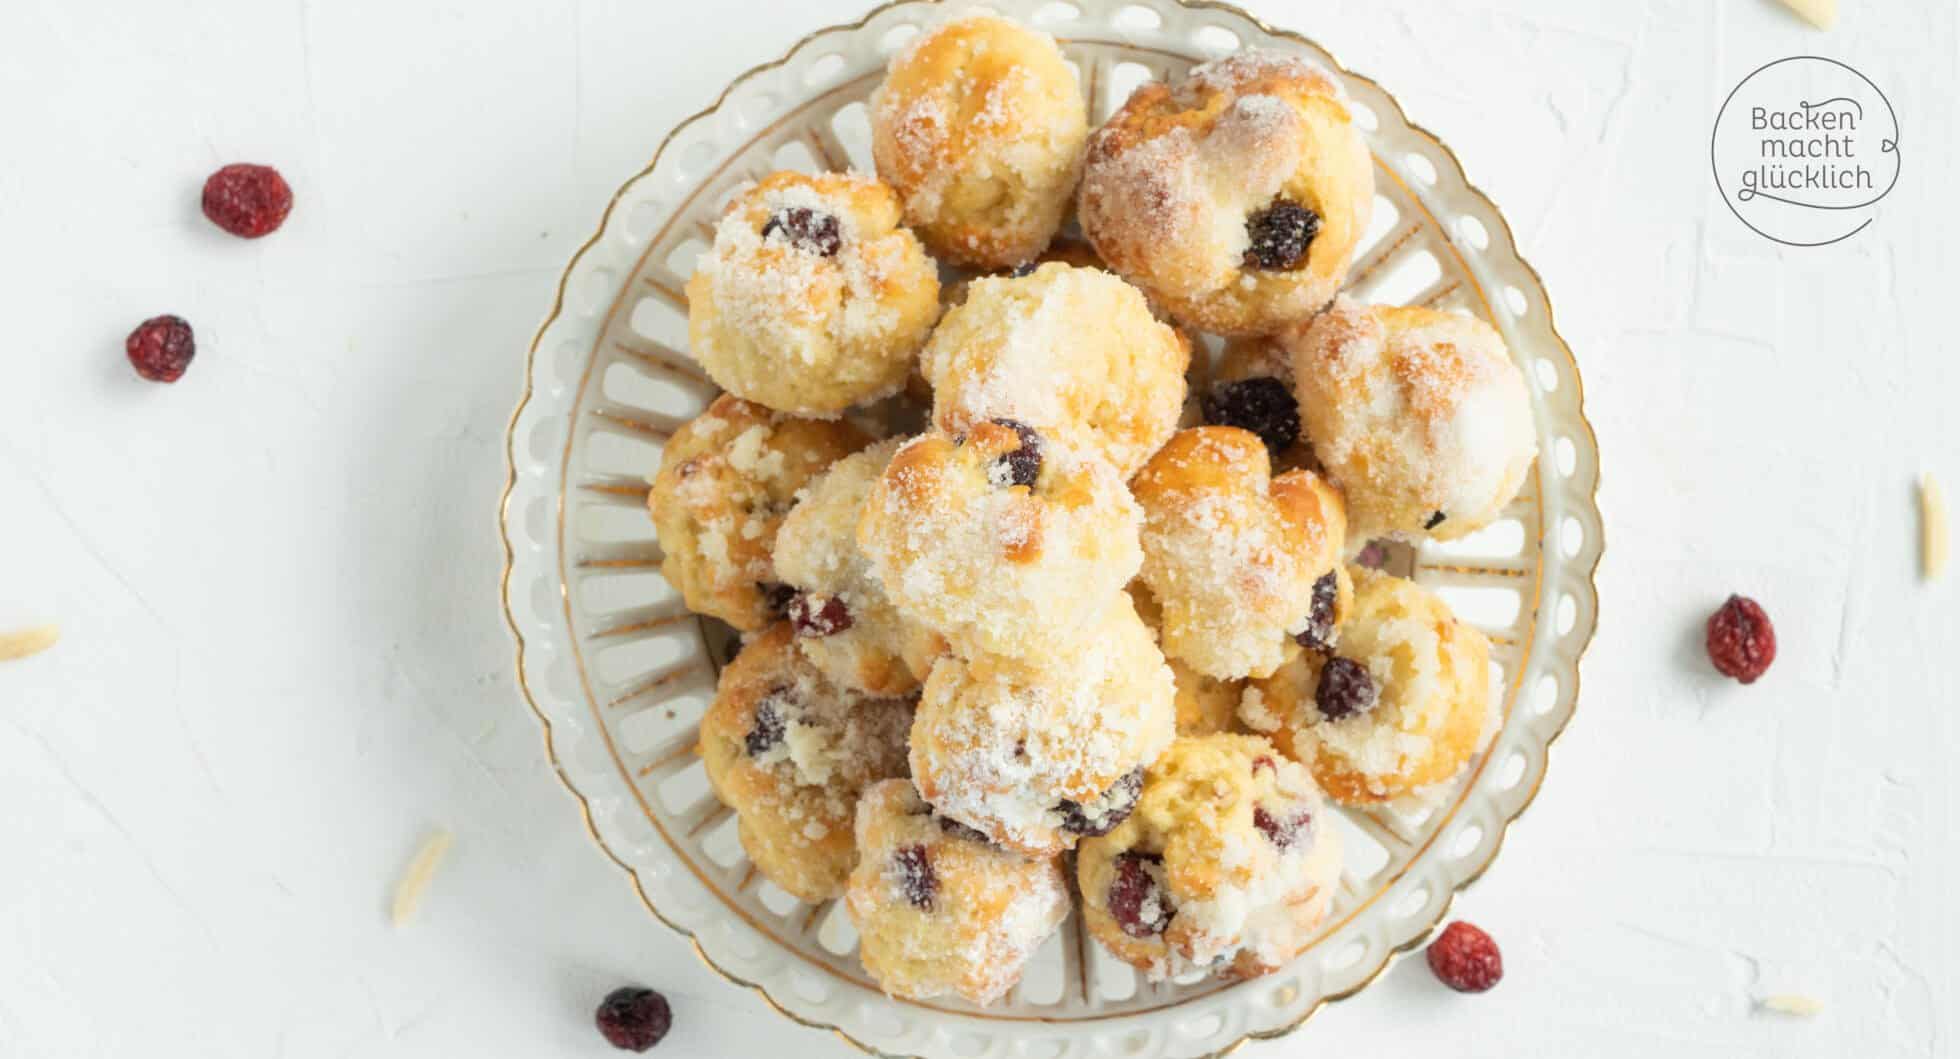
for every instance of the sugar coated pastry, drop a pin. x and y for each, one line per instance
(1235, 197)
(1072, 352)
(791, 752)
(812, 299)
(1036, 759)
(938, 910)
(845, 624)
(1252, 389)
(1402, 706)
(726, 479)
(1001, 541)
(1233, 555)
(1204, 704)
(1228, 863)
(1419, 415)
(979, 124)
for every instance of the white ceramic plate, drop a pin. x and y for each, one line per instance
(619, 672)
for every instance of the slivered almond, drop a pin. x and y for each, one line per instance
(1819, 13)
(422, 868)
(1932, 528)
(31, 641)
(1791, 1004)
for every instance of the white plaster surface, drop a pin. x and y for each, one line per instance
(283, 659)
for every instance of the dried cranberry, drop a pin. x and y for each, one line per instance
(1435, 519)
(807, 229)
(1023, 465)
(1264, 761)
(1140, 907)
(1281, 831)
(634, 1019)
(161, 348)
(916, 877)
(958, 830)
(1281, 234)
(818, 615)
(1319, 633)
(1741, 641)
(247, 200)
(1263, 406)
(775, 596)
(1465, 958)
(1116, 803)
(769, 725)
(1346, 688)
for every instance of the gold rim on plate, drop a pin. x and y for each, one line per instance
(558, 302)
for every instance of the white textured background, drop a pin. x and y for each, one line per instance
(284, 659)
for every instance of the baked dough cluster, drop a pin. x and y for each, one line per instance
(1036, 759)
(1227, 865)
(1002, 540)
(791, 752)
(845, 623)
(1232, 554)
(1118, 390)
(726, 480)
(979, 125)
(1235, 197)
(1400, 706)
(1026, 569)
(939, 909)
(812, 298)
(1420, 415)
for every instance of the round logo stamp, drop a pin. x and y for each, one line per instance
(1804, 149)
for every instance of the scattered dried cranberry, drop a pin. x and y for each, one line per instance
(634, 1019)
(1023, 465)
(818, 615)
(1435, 519)
(1741, 641)
(161, 348)
(1139, 906)
(1263, 405)
(958, 830)
(807, 229)
(1373, 555)
(1281, 831)
(1319, 633)
(1465, 958)
(247, 200)
(1117, 804)
(1281, 234)
(1264, 761)
(775, 596)
(769, 724)
(916, 877)
(1346, 688)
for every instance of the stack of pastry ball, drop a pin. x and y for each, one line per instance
(1086, 621)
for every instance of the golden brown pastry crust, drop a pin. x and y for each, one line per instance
(726, 479)
(1073, 352)
(774, 319)
(1243, 860)
(972, 930)
(1171, 180)
(795, 798)
(1432, 673)
(980, 124)
(1417, 414)
(1231, 554)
